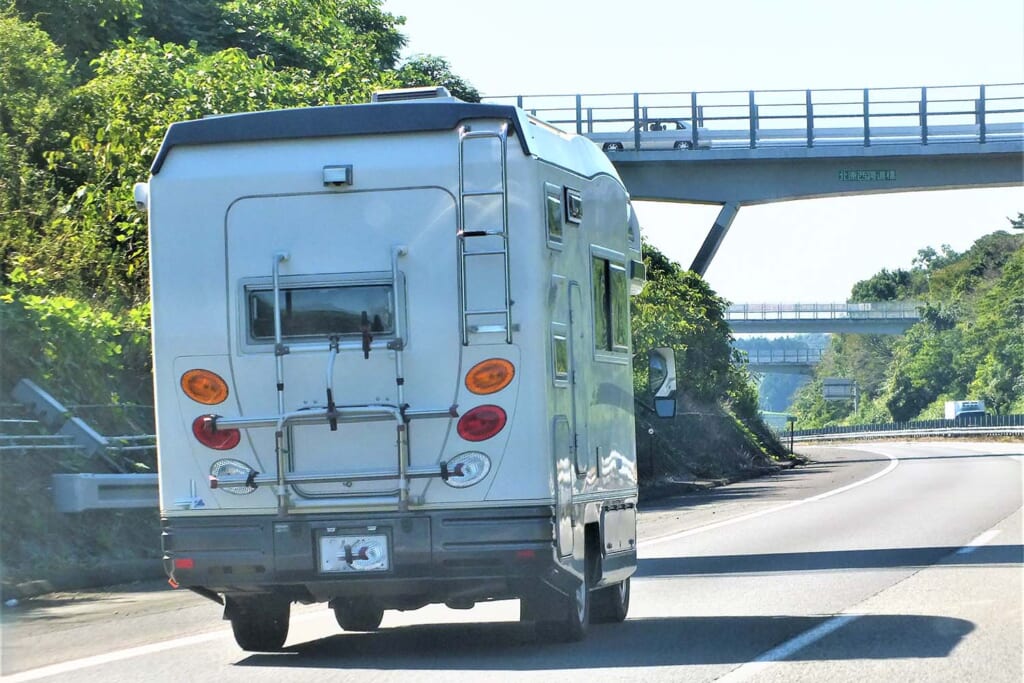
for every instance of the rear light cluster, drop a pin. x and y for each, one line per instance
(480, 423)
(486, 377)
(210, 389)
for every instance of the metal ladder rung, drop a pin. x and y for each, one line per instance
(483, 193)
(465, 234)
(489, 252)
(486, 311)
(481, 134)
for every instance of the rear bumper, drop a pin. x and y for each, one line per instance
(435, 556)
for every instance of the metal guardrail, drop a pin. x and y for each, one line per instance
(883, 310)
(807, 118)
(79, 492)
(990, 425)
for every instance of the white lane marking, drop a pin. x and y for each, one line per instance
(120, 655)
(761, 513)
(787, 649)
(982, 539)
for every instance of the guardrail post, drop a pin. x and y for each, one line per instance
(979, 107)
(694, 120)
(579, 115)
(519, 101)
(590, 119)
(636, 121)
(810, 120)
(753, 120)
(923, 107)
(867, 118)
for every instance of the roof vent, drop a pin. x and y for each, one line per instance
(404, 94)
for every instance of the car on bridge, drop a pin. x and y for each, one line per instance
(655, 133)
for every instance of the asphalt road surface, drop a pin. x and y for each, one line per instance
(881, 562)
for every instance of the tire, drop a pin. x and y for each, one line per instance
(358, 615)
(611, 604)
(260, 625)
(683, 145)
(575, 609)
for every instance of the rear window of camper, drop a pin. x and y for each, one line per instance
(320, 312)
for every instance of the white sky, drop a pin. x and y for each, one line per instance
(811, 250)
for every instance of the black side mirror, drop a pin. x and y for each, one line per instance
(662, 380)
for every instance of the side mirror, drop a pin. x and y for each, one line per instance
(662, 380)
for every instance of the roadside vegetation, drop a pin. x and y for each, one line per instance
(89, 89)
(969, 343)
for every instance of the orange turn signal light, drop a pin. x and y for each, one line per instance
(490, 376)
(204, 387)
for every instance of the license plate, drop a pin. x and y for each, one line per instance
(344, 554)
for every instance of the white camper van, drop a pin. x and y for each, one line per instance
(392, 364)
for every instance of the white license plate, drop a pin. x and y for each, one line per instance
(341, 554)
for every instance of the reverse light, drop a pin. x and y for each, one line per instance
(203, 386)
(207, 433)
(490, 376)
(481, 423)
(467, 469)
(229, 467)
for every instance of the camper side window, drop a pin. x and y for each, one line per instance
(321, 312)
(611, 306)
(553, 210)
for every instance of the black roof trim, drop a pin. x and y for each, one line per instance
(333, 121)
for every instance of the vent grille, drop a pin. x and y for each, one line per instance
(404, 94)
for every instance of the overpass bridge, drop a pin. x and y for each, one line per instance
(886, 317)
(742, 148)
(785, 361)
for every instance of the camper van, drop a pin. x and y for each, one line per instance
(392, 364)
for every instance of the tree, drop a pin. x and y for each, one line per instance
(433, 70)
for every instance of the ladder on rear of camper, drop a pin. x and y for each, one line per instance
(484, 286)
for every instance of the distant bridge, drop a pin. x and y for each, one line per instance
(788, 361)
(886, 317)
(740, 148)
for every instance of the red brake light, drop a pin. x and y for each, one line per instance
(204, 429)
(481, 423)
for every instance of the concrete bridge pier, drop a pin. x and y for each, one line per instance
(714, 239)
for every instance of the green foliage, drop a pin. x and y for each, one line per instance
(888, 286)
(434, 70)
(73, 142)
(969, 343)
(79, 352)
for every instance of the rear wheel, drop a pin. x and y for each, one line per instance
(611, 604)
(574, 609)
(259, 624)
(358, 614)
(576, 615)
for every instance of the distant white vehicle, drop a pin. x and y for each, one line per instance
(662, 133)
(965, 410)
(392, 364)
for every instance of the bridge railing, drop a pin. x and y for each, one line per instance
(784, 356)
(766, 118)
(884, 310)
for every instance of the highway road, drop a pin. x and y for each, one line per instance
(881, 561)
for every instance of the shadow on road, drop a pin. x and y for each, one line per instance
(882, 558)
(637, 643)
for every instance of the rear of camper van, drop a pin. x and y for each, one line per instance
(392, 368)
